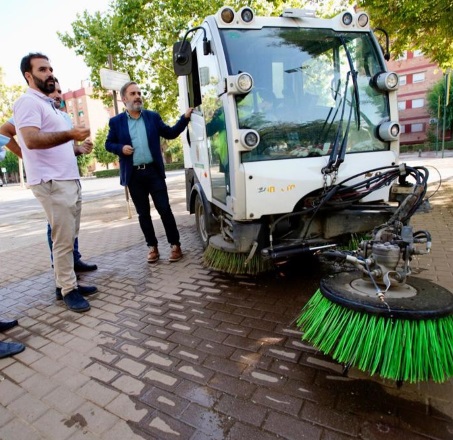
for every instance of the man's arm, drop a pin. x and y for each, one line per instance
(35, 139)
(8, 129)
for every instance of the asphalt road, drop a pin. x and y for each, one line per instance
(18, 202)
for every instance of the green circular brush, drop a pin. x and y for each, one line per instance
(221, 255)
(409, 337)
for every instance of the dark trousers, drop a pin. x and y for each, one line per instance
(148, 182)
(75, 252)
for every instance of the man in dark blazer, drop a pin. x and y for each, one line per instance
(134, 136)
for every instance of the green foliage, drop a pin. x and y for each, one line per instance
(173, 150)
(174, 166)
(83, 162)
(436, 102)
(100, 153)
(8, 94)
(107, 173)
(11, 163)
(425, 26)
(139, 34)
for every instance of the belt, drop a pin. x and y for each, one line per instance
(143, 166)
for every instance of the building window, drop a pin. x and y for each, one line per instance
(403, 80)
(416, 128)
(80, 113)
(418, 103)
(401, 105)
(403, 56)
(418, 53)
(418, 77)
(69, 103)
(402, 129)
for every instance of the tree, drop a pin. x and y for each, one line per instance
(100, 153)
(83, 162)
(436, 103)
(141, 40)
(8, 94)
(425, 26)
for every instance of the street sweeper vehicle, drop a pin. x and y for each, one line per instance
(285, 109)
(292, 148)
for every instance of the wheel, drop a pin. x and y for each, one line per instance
(201, 221)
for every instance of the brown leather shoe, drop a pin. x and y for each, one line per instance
(153, 254)
(176, 253)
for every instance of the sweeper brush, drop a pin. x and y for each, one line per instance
(221, 256)
(372, 316)
(407, 337)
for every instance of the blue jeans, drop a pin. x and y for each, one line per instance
(148, 182)
(75, 251)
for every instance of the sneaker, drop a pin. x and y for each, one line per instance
(83, 290)
(10, 348)
(153, 254)
(176, 253)
(76, 302)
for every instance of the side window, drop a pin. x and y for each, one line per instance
(194, 84)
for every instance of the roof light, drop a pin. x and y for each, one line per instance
(347, 19)
(363, 20)
(226, 14)
(299, 13)
(247, 15)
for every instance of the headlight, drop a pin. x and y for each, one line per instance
(387, 81)
(389, 131)
(239, 84)
(250, 139)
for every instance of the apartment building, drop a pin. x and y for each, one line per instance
(417, 76)
(88, 111)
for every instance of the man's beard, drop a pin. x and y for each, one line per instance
(44, 86)
(135, 106)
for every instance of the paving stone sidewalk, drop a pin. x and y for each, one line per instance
(175, 351)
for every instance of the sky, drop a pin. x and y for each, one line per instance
(32, 26)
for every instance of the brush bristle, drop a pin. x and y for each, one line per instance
(397, 349)
(234, 263)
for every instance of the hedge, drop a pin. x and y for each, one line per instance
(116, 172)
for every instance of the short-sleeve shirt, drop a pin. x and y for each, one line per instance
(34, 109)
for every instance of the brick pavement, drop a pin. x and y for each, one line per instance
(174, 351)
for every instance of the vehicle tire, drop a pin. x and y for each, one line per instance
(201, 221)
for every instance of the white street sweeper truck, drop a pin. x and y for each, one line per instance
(294, 129)
(292, 147)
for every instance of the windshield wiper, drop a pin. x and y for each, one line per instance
(338, 151)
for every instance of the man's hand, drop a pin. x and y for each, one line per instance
(188, 113)
(127, 150)
(85, 148)
(79, 133)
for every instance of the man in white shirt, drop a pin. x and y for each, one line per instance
(47, 148)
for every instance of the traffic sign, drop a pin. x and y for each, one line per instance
(113, 80)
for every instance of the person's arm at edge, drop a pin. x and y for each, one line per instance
(8, 129)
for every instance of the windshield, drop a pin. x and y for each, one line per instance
(303, 96)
